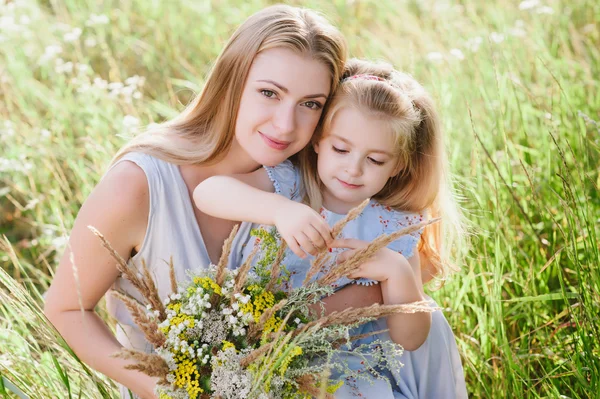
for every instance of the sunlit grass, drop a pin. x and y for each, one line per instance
(519, 90)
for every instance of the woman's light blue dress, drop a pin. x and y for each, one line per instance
(432, 371)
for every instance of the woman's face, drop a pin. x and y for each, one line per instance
(281, 104)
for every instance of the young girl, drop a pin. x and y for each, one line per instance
(143, 203)
(380, 138)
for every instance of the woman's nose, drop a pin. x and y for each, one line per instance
(284, 119)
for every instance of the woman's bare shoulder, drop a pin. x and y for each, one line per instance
(121, 200)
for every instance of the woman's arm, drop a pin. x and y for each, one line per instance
(118, 207)
(250, 198)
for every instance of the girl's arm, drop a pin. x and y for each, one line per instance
(250, 198)
(243, 197)
(118, 207)
(404, 286)
(400, 283)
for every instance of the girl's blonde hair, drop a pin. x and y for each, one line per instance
(204, 131)
(423, 182)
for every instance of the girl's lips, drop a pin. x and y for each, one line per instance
(275, 144)
(348, 185)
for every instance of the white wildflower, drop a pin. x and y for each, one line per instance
(90, 42)
(82, 69)
(131, 122)
(529, 4)
(435, 57)
(517, 32)
(60, 66)
(496, 37)
(95, 20)
(60, 242)
(545, 10)
(135, 80)
(100, 83)
(50, 52)
(473, 43)
(457, 54)
(45, 133)
(72, 36)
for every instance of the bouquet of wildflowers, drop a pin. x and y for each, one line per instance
(237, 334)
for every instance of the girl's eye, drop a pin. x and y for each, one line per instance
(313, 105)
(339, 150)
(376, 162)
(268, 93)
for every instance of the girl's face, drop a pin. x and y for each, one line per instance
(281, 104)
(355, 159)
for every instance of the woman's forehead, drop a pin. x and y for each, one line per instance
(293, 72)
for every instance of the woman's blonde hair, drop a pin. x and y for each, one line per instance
(204, 131)
(422, 184)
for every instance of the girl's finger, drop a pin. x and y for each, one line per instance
(324, 229)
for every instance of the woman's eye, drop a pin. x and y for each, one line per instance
(313, 105)
(339, 150)
(376, 162)
(268, 93)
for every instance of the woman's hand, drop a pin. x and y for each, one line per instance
(383, 265)
(302, 228)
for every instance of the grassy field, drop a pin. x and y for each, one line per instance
(518, 85)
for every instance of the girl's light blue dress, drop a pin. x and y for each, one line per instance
(432, 371)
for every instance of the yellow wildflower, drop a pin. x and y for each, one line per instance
(227, 344)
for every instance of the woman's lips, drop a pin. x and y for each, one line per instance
(275, 144)
(348, 185)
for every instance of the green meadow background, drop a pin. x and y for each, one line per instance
(518, 86)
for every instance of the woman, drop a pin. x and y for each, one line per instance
(260, 105)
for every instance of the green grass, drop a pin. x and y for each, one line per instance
(520, 106)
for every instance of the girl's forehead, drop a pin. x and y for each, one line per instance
(362, 130)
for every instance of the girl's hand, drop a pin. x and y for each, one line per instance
(384, 265)
(302, 228)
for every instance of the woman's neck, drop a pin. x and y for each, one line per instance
(236, 161)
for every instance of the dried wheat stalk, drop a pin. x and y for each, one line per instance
(172, 276)
(148, 363)
(152, 292)
(148, 326)
(225, 252)
(376, 311)
(276, 267)
(242, 275)
(306, 383)
(256, 328)
(362, 255)
(317, 264)
(141, 284)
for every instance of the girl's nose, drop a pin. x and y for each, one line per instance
(353, 168)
